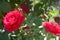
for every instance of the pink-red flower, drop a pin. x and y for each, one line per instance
(52, 28)
(25, 8)
(13, 20)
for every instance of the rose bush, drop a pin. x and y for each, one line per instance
(13, 20)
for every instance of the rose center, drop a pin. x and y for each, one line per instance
(12, 20)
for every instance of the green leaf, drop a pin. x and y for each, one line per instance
(54, 12)
(17, 1)
(4, 7)
(4, 36)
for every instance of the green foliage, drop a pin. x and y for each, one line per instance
(4, 36)
(4, 7)
(54, 12)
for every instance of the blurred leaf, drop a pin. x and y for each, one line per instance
(4, 7)
(4, 36)
(54, 12)
(32, 20)
(38, 9)
(17, 1)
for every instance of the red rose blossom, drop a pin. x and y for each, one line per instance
(25, 8)
(13, 20)
(52, 27)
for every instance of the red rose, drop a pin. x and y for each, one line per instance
(52, 27)
(25, 8)
(13, 20)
